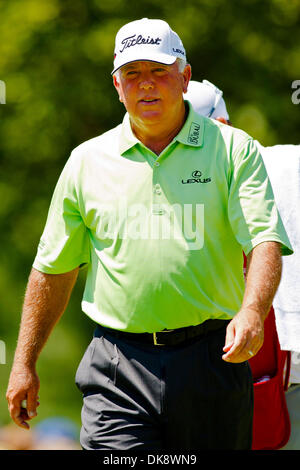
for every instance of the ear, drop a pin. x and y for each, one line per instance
(117, 87)
(187, 74)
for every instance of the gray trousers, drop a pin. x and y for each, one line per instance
(144, 397)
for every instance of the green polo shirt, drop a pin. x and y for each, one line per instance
(163, 235)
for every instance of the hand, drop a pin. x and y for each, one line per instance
(244, 336)
(23, 385)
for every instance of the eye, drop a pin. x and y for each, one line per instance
(160, 71)
(131, 73)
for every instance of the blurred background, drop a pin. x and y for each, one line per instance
(55, 60)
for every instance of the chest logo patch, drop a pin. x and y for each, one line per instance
(196, 177)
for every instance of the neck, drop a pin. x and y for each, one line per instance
(157, 136)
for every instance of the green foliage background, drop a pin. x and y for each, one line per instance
(56, 59)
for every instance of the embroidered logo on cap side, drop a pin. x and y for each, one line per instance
(179, 51)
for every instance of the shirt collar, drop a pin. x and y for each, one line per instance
(127, 137)
(192, 132)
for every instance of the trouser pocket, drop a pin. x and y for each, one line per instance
(98, 366)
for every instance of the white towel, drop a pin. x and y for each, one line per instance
(282, 163)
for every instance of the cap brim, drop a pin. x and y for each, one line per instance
(165, 59)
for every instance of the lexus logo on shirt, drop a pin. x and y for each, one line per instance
(196, 178)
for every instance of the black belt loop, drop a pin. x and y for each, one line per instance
(166, 337)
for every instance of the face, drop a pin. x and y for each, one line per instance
(152, 92)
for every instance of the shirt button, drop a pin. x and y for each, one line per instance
(156, 163)
(157, 189)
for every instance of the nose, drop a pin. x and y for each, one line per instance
(146, 82)
(146, 85)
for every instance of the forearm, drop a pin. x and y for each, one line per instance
(245, 332)
(263, 275)
(46, 298)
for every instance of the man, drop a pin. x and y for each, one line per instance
(282, 163)
(160, 208)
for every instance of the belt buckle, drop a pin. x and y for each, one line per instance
(155, 340)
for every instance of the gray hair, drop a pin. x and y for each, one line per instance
(180, 61)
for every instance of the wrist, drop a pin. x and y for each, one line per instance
(21, 363)
(252, 314)
(256, 308)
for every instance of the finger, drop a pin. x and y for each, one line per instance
(250, 349)
(234, 353)
(242, 353)
(229, 339)
(14, 406)
(24, 409)
(24, 418)
(19, 416)
(31, 404)
(228, 346)
(232, 342)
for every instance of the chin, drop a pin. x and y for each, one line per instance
(151, 116)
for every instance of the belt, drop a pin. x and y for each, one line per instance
(167, 337)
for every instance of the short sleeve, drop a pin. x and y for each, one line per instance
(64, 244)
(253, 215)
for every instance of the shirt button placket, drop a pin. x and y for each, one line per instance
(157, 209)
(157, 189)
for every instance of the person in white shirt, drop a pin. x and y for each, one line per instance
(282, 163)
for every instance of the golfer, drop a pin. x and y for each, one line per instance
(160, 209)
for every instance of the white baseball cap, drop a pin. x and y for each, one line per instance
(206, 99)
(147, 39)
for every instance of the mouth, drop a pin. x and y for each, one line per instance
(149, 101)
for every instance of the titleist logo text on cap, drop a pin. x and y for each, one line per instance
(133, 41)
